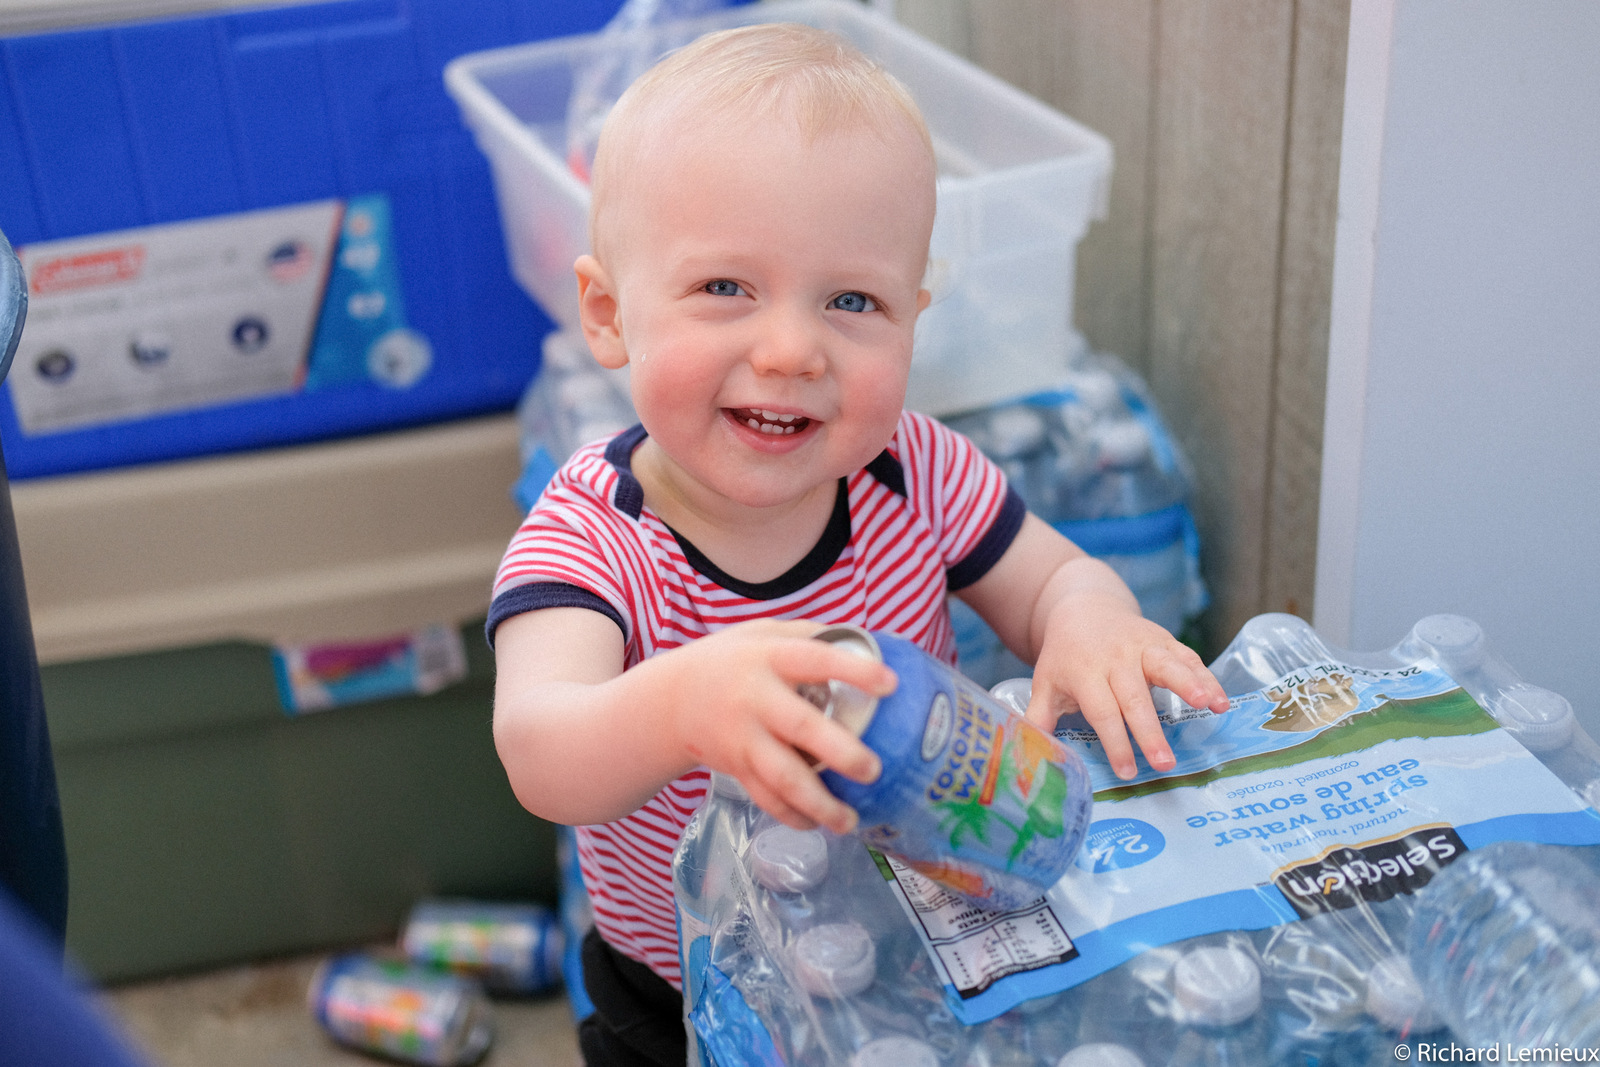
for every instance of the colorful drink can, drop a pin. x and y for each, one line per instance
(509, 948)
(972, 795)
(402, 1010)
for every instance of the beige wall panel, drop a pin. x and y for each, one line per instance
(1212, 273)
(1223, 73)
(1311, 194)
(1092, 59)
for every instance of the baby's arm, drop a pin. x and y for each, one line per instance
(584, 741)
(1071, 616)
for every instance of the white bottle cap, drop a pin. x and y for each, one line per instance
(1121, 443)
(835, 959)
(1217, 986)
(1101, 1054)
(1395, 1000)
(895, 1052)
(726, 785)
(1014, 693)
(786, 860)
(1457, 639)
(1095, 389)
(1014, 431)
(1538, 718)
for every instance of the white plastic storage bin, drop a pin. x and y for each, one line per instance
(1018, 184)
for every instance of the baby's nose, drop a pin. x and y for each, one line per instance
(792, 345)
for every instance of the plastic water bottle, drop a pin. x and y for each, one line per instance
(1545, 725)
(1400, 1015)
(1505, 942)
(835, 960)
(1315, 971)
(1092, 459)
(1217, 990)
(1541, 720)
(895, 1051)
(1132, 1005)
(788, 864)
(1101, 1054)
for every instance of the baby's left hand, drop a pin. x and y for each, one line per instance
(1101, 657)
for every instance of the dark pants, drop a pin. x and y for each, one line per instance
(638, 1016)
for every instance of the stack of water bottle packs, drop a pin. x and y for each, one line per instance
(1371, 858)
(1093, 458)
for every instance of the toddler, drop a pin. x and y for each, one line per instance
(762, 205)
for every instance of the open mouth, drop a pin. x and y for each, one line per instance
(769, 422)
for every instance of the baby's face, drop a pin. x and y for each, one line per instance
(767, 285)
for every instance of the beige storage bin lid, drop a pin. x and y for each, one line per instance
(345, 540)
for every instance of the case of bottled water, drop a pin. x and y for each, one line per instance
(1371, 858)
(1093, 458)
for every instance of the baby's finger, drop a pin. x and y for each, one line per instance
(1102, 712)
(1046, 705)
(830, 743)
(1139, 713)
(781, 770)
(773, 805)
(819, 661)
(1180, 669)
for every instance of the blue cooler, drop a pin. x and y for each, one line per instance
(256, 228)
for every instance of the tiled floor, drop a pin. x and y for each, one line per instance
(256, 1016)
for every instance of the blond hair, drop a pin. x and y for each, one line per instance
(809, 76)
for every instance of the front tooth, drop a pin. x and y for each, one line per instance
(769, 416)
(753, 424)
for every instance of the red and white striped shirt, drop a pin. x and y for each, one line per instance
(929, 515)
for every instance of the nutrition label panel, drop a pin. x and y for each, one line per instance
(976, 948)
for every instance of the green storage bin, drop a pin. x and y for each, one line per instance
(206, 827)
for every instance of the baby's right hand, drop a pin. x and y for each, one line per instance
(730, 703)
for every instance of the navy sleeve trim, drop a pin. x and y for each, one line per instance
(987, 552)
(535, 595)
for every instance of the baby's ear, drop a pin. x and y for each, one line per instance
(599, 313)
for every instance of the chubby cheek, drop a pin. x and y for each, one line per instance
(878, 398)
(669, 395)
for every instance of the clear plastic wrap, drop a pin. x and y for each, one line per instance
(1252, 906)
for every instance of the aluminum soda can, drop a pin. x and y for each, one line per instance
(508, 948)
(972, 795)
(402, 1010)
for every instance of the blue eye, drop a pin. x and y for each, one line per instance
(853, 302)
(723, 287)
